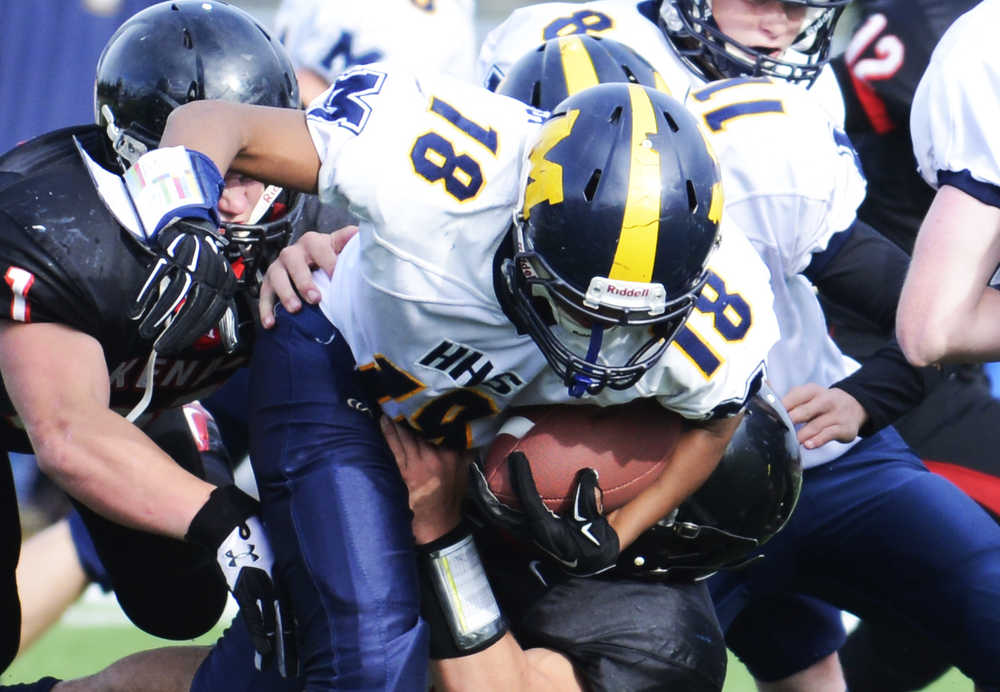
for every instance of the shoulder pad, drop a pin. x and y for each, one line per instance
(50, 149)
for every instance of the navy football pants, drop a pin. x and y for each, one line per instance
(877, 534)
(337, 514)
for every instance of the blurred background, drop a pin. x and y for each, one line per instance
(50, 47)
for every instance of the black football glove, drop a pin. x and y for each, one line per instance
(189, 290)
(584, 544)
(227, 524)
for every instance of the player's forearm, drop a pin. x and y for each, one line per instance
(268, 144)
(697, 454)
(947, 311)
(505, 666)
(115, 469)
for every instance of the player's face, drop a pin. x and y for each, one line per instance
(239, 197)
(769, 26)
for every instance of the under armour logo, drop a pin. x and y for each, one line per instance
(247, 555)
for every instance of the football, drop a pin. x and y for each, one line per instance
(628, 445)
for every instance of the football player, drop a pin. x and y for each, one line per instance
(954, 429)
(458, 298)
(324, 39)
(821, 392)
(101, 320)
(948, 311)
(689, 42)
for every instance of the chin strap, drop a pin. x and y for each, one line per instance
(147, 394)
(264, 203)
(580, 381)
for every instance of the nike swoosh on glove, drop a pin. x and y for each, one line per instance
(582, 544)
(189, 290)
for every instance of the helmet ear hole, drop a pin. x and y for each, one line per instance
(692, 196)
(536, 95)
(591, 187)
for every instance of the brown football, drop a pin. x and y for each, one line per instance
(628, 445)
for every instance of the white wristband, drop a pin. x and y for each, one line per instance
(464, 593)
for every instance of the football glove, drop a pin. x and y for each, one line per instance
(227, 524)
(583, 544)
(189, 290)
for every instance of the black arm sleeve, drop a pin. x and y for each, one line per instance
(886, 386)
(865, 272)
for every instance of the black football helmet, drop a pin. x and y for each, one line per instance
(621, 211)
(561, 67)
(747, 499)
(696, 36)
(187, 50)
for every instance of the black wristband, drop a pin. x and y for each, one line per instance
(454, 536)
(226, 508)
(442, 641)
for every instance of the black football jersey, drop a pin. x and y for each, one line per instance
(66, 259)
(878, 74)
(888, 52)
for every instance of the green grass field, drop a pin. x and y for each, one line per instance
(93, 634)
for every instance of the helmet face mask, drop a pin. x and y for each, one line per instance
(695, 34)
(622, 205)
(548, 305)
(176, 52)
(254, 246)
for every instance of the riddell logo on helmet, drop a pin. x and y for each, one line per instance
(626, 291)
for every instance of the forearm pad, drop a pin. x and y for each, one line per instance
(226, 508)
(455, 596)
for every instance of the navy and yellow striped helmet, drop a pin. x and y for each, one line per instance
(563, 66)
(621, 210)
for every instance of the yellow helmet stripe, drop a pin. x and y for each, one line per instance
(636, 250)
(718, 201)
(578, 66)
(660, 83)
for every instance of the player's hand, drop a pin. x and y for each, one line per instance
(247, 562)
(189, 289)
(436, 478)
(583, 543)
(293, 270)
(826, 413)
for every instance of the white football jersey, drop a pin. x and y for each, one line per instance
(956, 107)
(428, 35)
(436, 169)
(620, 20)
(791, 182)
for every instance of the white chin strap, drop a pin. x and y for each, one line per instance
(267, 198)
